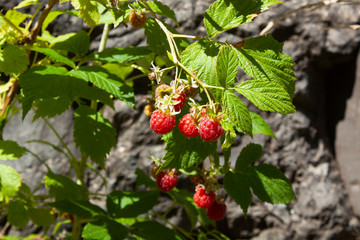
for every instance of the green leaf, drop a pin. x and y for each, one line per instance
(42, 217)
(52, 54)
(10, 150)
(266, 95)
(238, 188)
(270, 185)
(143, 179)
(260, 126)
(13, 60)
(227, 66)
(77, 43)
(120, 55)
(104, 230)
(17, 213)
(184, 198)
(88, 11)
(16, 17)
(93, 134)
(130, 204)
(183, 152)
(261, 58)
(51, 107)
(156, 38)
(62, 187)
(224, 15)
(10, 181)
(52, 82)
(106, 81)
(81, 208)
(162, 9)
(151, 230)
(52, 15)
(237, 112)
(249, 154)
(26, 3)
(201, 57)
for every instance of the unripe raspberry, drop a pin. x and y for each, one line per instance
(209, 129)
(187, 126)
(137, 20)
(161, 123)
(190, 91)
(148, 110)
(196, 179)
(181, 104)
(162, 90)
(166, 181)
(216, 211)
(154, 171)
(202, 198)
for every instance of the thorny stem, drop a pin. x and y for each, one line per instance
(185, 36)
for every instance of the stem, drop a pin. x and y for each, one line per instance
(198, 81)
(188, 236)
(35, 31)
(75, 233)
(185, 36)
(73, 159)
(81, 176)
(104, 37)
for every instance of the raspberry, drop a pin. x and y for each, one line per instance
(137, 20)
(149, 108)
(180, 105)
(187, 126)
(209, 129)
(166, 181)
(202, 198)
(190, 91)
(161, 123)
(216, 211)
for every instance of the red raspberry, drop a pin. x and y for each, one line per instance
(137, 20)
(180, 105)
(166, 181)
(216, 211)
(161, 123)
(202, 198)
(209, 129)
(187, 126)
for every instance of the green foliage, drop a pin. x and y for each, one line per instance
(93, 134)
(130, 204)
(10, 182)
(13, 60)
(104, 230)
(10, 150)
(237, 13)
(267, 182)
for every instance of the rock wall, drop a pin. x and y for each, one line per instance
(323, 40)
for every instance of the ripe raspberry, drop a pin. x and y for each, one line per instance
(137, 20)
(180, 105)
(216, 211)
(209, 129)
(202, 198)
(187, 126)
(166, 181)
(161, 123)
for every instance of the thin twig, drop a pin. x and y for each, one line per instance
(35, 30)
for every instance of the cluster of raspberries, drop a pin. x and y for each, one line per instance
(215, 208)
(190, 125)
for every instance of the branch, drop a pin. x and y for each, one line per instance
(35, 31)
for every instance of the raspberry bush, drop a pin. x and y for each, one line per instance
(195, 108)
